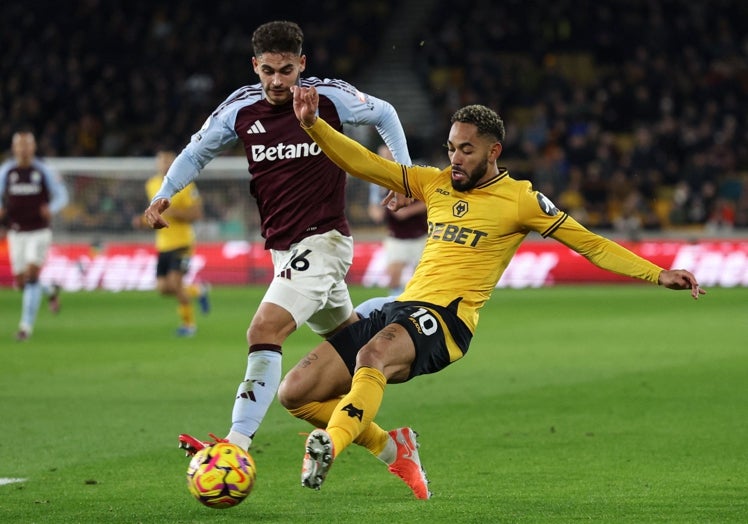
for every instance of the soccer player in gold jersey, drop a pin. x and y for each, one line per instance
(176, 245)
(478, 216)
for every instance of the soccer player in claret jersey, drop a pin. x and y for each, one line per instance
(300, 194)
(478, 216)
(406, 232)
(31, 192)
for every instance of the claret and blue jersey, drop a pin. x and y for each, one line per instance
(299, 191)
(24, 190)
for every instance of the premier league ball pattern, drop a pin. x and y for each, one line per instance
(221, 476)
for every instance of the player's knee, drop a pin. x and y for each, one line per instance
(259, 333)
(289, 393)
(164, 289)
(371, 356)
(32, 274)
(266, 330)
(297, 389)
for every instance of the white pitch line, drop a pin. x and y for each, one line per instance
(6, 480)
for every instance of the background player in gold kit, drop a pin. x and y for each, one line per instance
(176, 245)
(478, 216)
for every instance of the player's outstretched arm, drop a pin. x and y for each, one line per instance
(681, 279)
(153, 214)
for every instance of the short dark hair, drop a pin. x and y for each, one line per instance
(25, 128)
(279, 36)
(485, 119)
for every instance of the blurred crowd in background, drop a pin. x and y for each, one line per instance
(122, 77)
(628, 114)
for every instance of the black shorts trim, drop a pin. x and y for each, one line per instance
(425, 323)
(173, 260)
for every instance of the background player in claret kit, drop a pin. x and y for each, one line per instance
(478, 216)
(300, 194)
(406, 231)
(404, 243)
(31, 192)
(176, 245)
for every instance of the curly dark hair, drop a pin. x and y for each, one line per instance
(485, 119)
(279, 36)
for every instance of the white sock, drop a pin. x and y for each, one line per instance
(256, 393)
(243, 441)
(32, 298)
(389, 453)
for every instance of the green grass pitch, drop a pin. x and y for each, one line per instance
(624, 403)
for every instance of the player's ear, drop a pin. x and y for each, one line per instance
(495, 152)
(302, 63)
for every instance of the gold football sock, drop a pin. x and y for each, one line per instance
(187, 314)
(357, 409)
(192, 291)
(318, 414)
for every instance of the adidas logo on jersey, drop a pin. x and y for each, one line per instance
(256, 128)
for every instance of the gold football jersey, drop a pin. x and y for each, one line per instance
(473, 235)
(179, 233)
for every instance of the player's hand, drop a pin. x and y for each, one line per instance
(305, 104)
(394, 201)
(153, 214)
(45, 213)
(681, 279)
